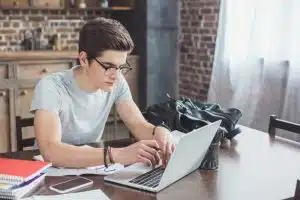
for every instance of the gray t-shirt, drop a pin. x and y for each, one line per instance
(82, 115)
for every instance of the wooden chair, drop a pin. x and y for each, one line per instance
(276, 123)
(21, 123)
(297, 192)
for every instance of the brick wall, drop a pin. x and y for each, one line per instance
(198, 30)
(66, 23)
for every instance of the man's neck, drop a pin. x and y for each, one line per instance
(82, 81)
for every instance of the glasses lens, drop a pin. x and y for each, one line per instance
(125, 70)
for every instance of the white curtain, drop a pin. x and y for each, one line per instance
(257, 60)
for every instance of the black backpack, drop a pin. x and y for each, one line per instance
(186, 115)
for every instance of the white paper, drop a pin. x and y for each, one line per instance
(98, 170)
(38, 158)
(88, 195)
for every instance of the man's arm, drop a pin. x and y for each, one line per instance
(48, 134)
(143, 130)
(135, 121)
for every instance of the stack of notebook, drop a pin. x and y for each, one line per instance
(20, 177)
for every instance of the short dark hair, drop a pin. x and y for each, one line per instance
(103, 34)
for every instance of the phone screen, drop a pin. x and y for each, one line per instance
(71, 184)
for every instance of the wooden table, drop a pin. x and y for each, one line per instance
(252, 166)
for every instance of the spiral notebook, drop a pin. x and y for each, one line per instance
(17, 191)
(18, 171)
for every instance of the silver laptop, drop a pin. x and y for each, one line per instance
(186, 158)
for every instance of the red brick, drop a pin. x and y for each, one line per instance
(204, 31)
(208, 24)
(74, 35)
(64, 24)
(214, 32)
(8, 37)
(64, 36)
(206, 10)
(210, 17)
(55, 17)
(195, 23)
(183, 12)
(183, 48)
(198, 26)
(16, 24)
(206, 38)
(73, 48)
(72, 41)
(194, 30)
(64, 30)
(14, 17)
(211, 4)
(73, 17)
(211, 45)
(80, 24)
(201, 51)
(34, 12)
(35, 24)
(196, 37)
(216, 10)
(36, 18)
(206, 78)
(185, 30)
(65, 48)
(6, 24)
(200, 71)
(190, 56)
(204, 58)
(7, 31)
(199, 4)
(13, 43)
(184, 23)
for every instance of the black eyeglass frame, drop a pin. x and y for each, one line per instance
(127, 69)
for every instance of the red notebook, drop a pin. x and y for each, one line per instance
(17, 171)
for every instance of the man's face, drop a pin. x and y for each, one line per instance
(104, 79)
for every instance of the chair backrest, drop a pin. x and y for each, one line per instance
(21, 123)
(282, 124)
(297, 190)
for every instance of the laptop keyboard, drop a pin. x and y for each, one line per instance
(149, 179)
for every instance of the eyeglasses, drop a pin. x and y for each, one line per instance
(124, 69)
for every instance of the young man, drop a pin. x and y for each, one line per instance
(71, 107)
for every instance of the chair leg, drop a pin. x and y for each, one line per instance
(19, 134)
(272, 131)
(297, 191)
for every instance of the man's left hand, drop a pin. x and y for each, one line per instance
(164, 140)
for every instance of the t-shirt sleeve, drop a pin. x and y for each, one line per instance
(46, 96)
(122, 90)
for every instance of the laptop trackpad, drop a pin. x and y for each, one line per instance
(130, 172)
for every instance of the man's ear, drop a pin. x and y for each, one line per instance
(83, 58)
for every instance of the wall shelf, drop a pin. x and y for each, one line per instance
(69, 9)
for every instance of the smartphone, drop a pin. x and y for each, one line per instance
(71, 185)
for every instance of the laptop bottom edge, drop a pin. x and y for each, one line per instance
(131, 187)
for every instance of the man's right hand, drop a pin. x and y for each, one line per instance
(145, 151)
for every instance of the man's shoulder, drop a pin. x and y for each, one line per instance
(54, 80)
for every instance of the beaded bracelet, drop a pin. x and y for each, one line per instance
(111, 160)
(104, 154)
